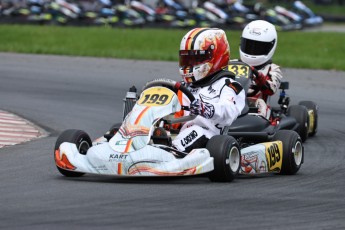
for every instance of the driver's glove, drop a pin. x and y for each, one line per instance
(197, 107)
(263, 83)
(261, 80)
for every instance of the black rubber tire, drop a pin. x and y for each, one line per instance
(220, 147)
(82, 141)
(114, 128)
(112, 131)
(300, 113)
(292, 144)
(312, 106)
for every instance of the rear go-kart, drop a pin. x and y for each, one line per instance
(132, 148)
(302, 118)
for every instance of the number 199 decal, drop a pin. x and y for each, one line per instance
(274, 155)
(156, 96)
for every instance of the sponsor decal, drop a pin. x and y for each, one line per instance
(118, 157)
(192, 90)
(121, 142)
(208, 110)
(255, 31)
(252, 163)
(100, 168)
(189, 138)
(211, 90)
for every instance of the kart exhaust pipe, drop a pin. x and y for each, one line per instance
(129, 101)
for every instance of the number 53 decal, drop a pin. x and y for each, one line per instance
(156, 96)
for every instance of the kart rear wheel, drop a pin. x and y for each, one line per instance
(227, 157)
(300, 113)
(78, 137)
(293, 151)
(313, 116)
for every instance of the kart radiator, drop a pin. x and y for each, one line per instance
(129, 101)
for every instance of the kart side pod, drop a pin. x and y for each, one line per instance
(284, 155)
(262, 158)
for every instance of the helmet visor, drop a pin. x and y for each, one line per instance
(252, 47)
(194, 57)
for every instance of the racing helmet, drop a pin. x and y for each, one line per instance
(203, 51)
(258, 42)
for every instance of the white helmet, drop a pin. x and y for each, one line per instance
(258, 42)
(203, 52)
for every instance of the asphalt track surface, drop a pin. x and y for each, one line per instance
(59, 93)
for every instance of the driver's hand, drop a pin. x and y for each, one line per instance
(261, 79)
(197, 107)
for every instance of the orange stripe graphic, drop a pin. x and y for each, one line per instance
(129, 143)
(191, 36)
(139, 169)
(119, 168)
(141, 115)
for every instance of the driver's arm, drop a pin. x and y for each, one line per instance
(178, 113)
(230, 104)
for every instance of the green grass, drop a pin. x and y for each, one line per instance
(295, 49)
(335, 10)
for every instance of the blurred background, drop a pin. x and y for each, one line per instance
(286, 15)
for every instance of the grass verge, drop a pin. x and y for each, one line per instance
(295, 49)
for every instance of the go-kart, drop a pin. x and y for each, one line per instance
(133, 149)
(302, 118)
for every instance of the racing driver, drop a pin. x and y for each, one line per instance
(204, 52)
(258, 44)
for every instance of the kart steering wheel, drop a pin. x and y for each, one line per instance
(171, 84)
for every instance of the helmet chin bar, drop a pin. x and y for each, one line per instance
(198, 72)
(253, 60)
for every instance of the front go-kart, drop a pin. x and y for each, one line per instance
(132, 150)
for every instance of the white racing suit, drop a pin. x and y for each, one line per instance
(269, 86)
(224, 98)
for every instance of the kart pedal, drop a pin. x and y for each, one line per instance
(161, 137)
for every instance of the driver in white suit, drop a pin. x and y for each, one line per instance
(219, 99)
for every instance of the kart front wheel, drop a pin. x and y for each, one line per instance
(300, 113)
(227, 157)
(313, 116)
(78, 137)
(293, 151)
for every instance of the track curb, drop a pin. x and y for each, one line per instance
(16, 130)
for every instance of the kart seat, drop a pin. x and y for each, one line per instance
(249, 123)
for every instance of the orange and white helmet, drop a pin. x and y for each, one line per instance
(203, 51)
